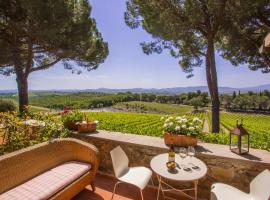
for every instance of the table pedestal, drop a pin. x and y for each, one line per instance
(171, 188)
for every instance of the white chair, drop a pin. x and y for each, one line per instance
(259, 189)
(138, 176)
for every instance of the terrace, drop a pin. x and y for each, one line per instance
(223, 166)
(184, 143)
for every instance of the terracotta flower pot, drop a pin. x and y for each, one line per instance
(71, 126)
(87, 127)
(179, 140)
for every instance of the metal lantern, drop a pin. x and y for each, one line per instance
(239, 139)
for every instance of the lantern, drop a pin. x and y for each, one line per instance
(239, 139)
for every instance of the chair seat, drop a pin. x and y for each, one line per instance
(222, 191)
(48, 183)
(138, 176)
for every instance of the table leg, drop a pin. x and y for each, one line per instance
(159, 184)
(163, 194)
(160, 188)
(196, 189)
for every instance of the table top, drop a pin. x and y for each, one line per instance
(158, 165)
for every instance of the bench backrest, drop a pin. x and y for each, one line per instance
(22, 165)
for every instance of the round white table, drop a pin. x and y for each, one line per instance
(189, 169)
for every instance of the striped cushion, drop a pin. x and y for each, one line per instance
(48, 183)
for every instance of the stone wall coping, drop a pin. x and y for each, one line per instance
(255, 155)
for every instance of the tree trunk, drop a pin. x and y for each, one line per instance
(21, 78)
(211, 76)
(22, 85)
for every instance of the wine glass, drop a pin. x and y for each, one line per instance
(182, 152)
(191, 151)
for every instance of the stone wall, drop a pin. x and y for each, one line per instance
(233, 171)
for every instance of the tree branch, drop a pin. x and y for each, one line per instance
(196, 52)
(203, 32)
(220, 16)
(45, 66)
(264, 20)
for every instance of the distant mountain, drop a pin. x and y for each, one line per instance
(7, 91)
(174, 90)
(258, 88)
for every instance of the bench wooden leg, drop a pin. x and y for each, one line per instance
(93, 186)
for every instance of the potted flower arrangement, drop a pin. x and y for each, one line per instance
(87, 126)
(70, 119)
(181, 131)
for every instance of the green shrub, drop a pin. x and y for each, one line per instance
(19, 135)
(71, 116)
(7, 106)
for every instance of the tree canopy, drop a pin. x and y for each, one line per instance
(249, 25)
(189, 29)
(36, 34)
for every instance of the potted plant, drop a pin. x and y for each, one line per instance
(70, 119)
(87, 126)
(181, 131)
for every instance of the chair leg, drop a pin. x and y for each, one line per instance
(115, 189)
(93, 186)
(152, 181)
(141, 194)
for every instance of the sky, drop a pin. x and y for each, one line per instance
(128, 67)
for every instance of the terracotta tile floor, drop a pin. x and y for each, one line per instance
(104, 188)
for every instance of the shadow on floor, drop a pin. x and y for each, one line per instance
(251, 157)
(104, 187)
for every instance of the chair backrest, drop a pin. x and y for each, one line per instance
(120, 161)
(260, 186)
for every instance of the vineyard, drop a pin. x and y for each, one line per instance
(136, 123)
(150, 124)
(143, 118)
(155, 107)
(143, 124)
(257, 125)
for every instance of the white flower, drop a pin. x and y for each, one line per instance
(96, 121)
(196, 119)
(167, 120)
(196, 127)
(165, 125)
(184, 126)
(171, 123)
(184, 120)
(170, 118)
(177, 128)
(178, 118)
(191, 128)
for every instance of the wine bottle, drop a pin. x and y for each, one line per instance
(171, 153)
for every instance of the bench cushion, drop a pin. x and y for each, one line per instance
(49, 183)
